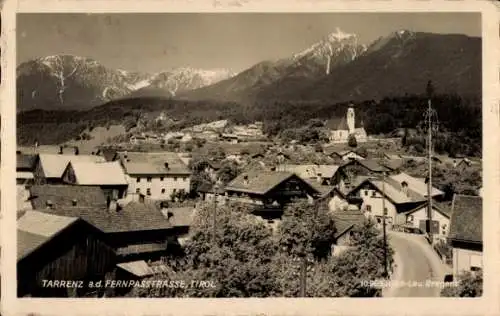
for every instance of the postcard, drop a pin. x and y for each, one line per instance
(248, 157)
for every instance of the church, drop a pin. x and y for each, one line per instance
(347, 126)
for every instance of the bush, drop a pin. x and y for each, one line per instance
(351, 141)
(469, 285)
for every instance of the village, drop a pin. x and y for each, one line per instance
(115, 210)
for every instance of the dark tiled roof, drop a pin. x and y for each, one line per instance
(344, 220)
(153, 163)
(372, 165)
(26, 161)
(261, 182)
(467, 219)
(62, 196)
(133, 217)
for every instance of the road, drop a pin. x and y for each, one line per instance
(417, 265)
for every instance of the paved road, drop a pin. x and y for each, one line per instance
(417, 265)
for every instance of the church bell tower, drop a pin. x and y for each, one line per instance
(350, 119)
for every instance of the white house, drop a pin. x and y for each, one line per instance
(417, 218)
(402, 193)
(466, 233)
(154, 175)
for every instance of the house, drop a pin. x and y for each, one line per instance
(329, 175)
(155, 175)
(25, 166)
(137, 231)
(345, 221)
(231, 138)
(347, 155)
(361, 168)
(268, 192)
(52, 248)
(417, 218)
(49, 168)
(208, 192)
(466, 233)
(346, 127)
(400, 194)
(109, 176)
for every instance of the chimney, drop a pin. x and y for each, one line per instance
(49, 204)
(245, 179)
(61, 150)
(74, 202)
(166, 165)
(319, 177)
(113, 205)
(404, 187)
(77, 151)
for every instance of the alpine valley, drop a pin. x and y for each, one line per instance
(381, 78)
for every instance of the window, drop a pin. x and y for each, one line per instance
(163, 191)
(148, 191)
(475, 269)
(409, 219)
(149, 179)
(366, 192)
(368, 208)
(138, 191)
(161, 178)
(374, 194)
(138, 180)
(385, 210)
(175, 178)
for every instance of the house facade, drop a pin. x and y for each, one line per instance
(52, 247)
(268, 192)
(417, 218)
(466, 234)
(155, 176)
(402, 196)
(109, 176)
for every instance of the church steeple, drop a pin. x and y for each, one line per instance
(350, 119)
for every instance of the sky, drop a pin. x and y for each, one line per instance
(152, 42)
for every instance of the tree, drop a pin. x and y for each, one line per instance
(239, 261)
(307, 229)
(469, 285)
(351, 141)
(228, 171)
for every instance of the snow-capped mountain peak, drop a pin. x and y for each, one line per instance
(340, 35)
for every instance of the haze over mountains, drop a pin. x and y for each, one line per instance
(337, 68)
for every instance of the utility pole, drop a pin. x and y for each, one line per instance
(215, 188)
(430, 115)
(303, 266)
(384, 227)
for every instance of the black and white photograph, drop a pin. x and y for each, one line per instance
(249, 155)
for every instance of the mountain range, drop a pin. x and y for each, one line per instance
(74, 82)
(337, 68)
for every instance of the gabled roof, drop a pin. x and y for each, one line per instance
(54, 165)
(36, 228)
(415, 184)
(261, 182)
(467, 219)
(311, 170)
(103, 173)
(435, 206)
(132, 217)
(345, 220)
(369, 164)
(393, 192)
(142, 163)
(62, 196)
(138, 268)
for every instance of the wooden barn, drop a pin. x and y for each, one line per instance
(52, 249)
